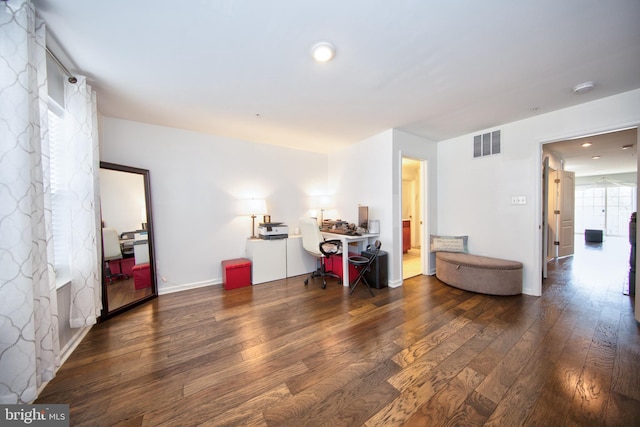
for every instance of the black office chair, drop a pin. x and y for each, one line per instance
(314, 243)
(363, 265)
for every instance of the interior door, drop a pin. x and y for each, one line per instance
(567, 214)
(545, 215)
(553, 213)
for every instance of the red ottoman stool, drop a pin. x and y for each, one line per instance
(141, 276)
(236, 273)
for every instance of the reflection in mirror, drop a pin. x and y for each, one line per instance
(128, 269)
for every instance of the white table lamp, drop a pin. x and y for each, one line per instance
(254, 207)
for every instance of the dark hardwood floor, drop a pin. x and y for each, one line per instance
(424, 354)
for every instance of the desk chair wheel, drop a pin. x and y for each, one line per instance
(324, 274)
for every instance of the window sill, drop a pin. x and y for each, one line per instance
(61, 282)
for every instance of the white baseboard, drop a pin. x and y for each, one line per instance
(73, 343)
(163, 290)
(395, 283)
(66, 351)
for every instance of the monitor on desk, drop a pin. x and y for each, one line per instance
(363, 217)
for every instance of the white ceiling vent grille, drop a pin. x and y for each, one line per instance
(486, 144)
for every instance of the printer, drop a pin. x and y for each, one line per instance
(272, 230)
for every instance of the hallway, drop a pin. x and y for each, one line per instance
(597, 263)
(411, 263)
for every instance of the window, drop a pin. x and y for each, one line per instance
(60, 214)
(605, 207)
(60, 202)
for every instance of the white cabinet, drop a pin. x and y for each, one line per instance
(141, 248)
(268, 259)
(141, 252)
(278, 259)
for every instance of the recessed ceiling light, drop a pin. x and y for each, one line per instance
(583, 87)
(323, 51)
(595, 157)
(586, 144)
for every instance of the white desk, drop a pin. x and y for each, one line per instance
(361, 241)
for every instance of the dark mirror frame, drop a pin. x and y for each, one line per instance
(107, 312)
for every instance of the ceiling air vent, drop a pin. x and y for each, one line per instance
(486, 144)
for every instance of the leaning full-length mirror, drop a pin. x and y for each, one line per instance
(128, 268)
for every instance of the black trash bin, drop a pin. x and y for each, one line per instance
(377, 276)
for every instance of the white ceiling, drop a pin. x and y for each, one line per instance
(612, 158)
(432, 68)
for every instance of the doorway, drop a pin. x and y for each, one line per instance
(412, 217)
(590, 166)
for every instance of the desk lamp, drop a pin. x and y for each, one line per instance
(254, 207)
(322, 203)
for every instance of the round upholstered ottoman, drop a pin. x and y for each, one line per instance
(485, 275)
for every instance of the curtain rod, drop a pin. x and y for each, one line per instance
(71, 77)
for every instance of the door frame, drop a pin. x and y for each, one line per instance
(417, 210)
(545, 215)
(425, 255)
(537, 285)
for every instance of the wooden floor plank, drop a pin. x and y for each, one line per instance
(520, 399)
(447, 402)
(298, 407)
(624, 382)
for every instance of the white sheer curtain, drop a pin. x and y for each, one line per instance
(29, 340)
(29, 345)
(82, 139)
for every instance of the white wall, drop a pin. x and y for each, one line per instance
(359, 175)
(196, 182)
(407, 145)
(474, 195)
(370, 173)
(122, 200)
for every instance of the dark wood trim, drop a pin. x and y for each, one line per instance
(108, 312)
